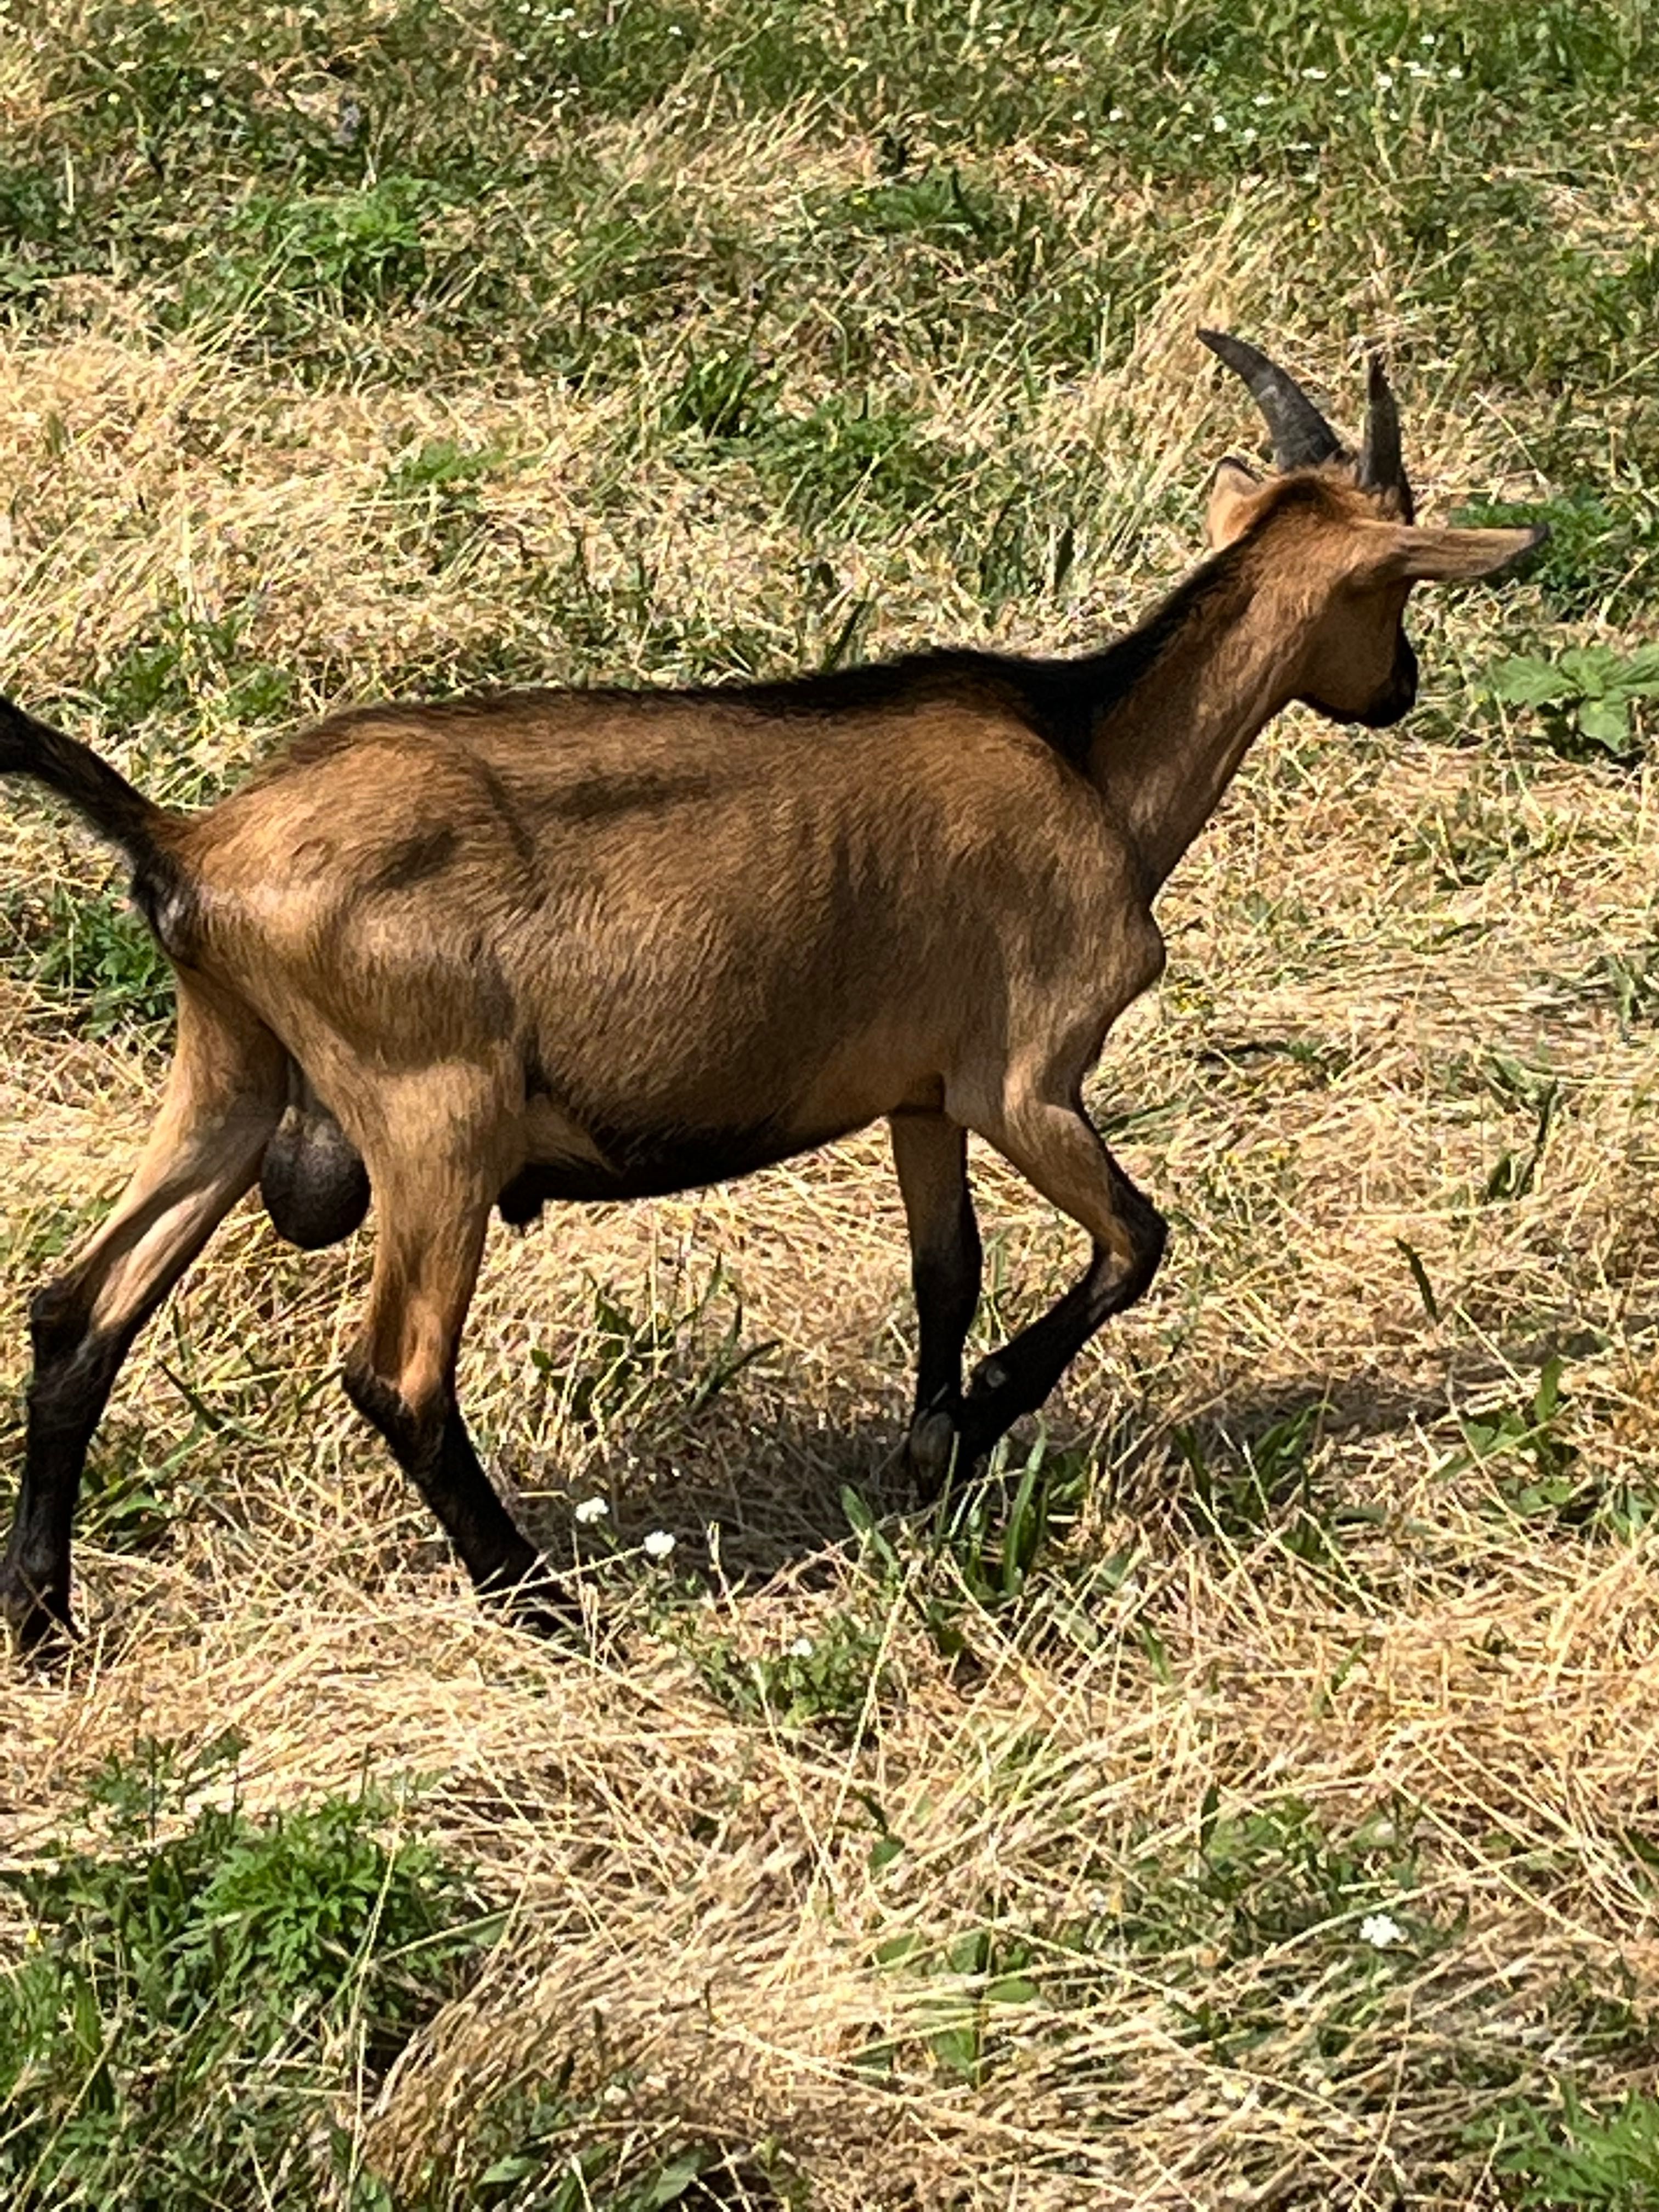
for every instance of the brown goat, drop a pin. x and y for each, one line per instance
(599, 944)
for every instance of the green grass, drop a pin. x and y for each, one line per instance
(199, 1985)
(1580, 2158)
(88, 953)
(311, 186)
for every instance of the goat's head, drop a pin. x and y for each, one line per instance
(1358, 548)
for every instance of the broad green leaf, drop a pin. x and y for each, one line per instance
(514, 2167)
(957, 2048)
(969, 1953)
(897, 1950)
(1525, 683)
(1594, 669)
(1606, 722)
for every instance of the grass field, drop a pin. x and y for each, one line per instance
(1249, 1795)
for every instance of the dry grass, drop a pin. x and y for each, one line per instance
(701, 1946)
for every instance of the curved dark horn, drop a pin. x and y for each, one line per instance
(1381, 466)
(1301, 437)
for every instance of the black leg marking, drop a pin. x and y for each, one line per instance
(1017, 1378)
(434, 1450)
(223, 1095)
(75, 1370)
(930, 1155)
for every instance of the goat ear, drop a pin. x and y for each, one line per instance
(1408, 556)
(1227, 511)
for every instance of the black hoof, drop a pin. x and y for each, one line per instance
(539, 1603)
(933, 1454)
(38, 1618)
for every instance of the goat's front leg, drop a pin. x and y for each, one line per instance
(1058, 1150)
(401, 1376)
(224, 1094)
(930, 1153)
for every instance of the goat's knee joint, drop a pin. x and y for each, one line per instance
(1149, 1235)
(75, 1366)
(57, 1320)
(413, 1430)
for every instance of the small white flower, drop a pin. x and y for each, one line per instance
(1384, 82)
(1219, 122)
(1380, 1929)
(658, 1544)
(590, 1511)
(801, 1648)
(1114, 115)
(1264, 100)
(1317, 75)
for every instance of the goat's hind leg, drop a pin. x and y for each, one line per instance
(1058, 1150)
(930, 1153)
(433, 1208)
(223, 1095)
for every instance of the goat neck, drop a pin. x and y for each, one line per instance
(1228, 657)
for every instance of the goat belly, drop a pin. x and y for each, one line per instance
(644, 1167)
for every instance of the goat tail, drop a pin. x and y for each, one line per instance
(91, 785)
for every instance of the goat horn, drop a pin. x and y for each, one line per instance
(1381, 466)
(1301, 437)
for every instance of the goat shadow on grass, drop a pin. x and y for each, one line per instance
(1342, 1408)
(1345, 1412)
(771, 1480)
(770, 1483)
